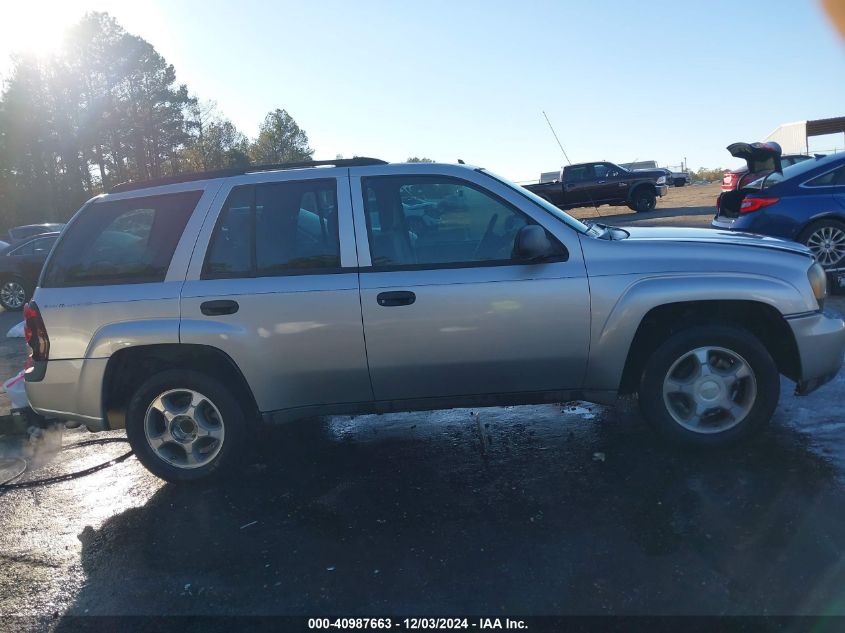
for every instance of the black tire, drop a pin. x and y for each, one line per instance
(764, 372)
(812, 229)
(16, 286)
(643, 200)
(234, 423)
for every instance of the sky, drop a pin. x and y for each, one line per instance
(619, 80)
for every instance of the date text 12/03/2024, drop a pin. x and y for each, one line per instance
(417, 623)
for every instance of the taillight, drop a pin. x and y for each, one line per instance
(753, 204)
(35, 333)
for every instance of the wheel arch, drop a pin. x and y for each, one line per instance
(760, 319)
(615, 325)
(816, 219)
(127, 368)
(638, 186)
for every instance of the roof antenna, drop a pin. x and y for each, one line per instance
(461, 161)
(560, 145)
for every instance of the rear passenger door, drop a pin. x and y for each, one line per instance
(578, 185)
(273, 283)
(120, 259)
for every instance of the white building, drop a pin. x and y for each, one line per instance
(793, 137)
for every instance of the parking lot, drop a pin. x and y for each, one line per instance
(535, 510)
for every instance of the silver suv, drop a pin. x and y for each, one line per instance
(189, 310)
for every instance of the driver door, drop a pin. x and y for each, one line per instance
(613, 183)
(448, 311)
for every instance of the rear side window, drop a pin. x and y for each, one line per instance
(42, 246)
(35, 247)
(121, 242)
(273, 229)
(830, 179)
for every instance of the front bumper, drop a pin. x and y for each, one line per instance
(661, 190)
(820, 338)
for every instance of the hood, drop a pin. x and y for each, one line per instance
(650, 173)
(758, 156)
(714, 236)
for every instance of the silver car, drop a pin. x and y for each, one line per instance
(190, 310)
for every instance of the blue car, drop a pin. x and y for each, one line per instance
(804, 203)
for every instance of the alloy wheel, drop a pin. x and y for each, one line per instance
(184, 428)
(828, 245)
(12, 295)
(709, 390)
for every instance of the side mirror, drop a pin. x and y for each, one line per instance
(532, 243)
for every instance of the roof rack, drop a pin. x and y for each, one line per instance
(358, 161)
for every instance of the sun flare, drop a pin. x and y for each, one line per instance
(35, 28)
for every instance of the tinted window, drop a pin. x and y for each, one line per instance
(43, 246)
(23, 249)
(579, 173)
(277, 228)
(830, 179)
(23, 232)
(121, 241)
(230, 252)
(430, 220)
(796, 171)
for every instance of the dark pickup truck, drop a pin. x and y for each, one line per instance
(592, 184)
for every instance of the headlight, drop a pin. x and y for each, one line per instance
(661, 180)
(818, 282)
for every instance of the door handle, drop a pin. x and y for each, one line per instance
(396, 298)
(216, 308)
(601, 182)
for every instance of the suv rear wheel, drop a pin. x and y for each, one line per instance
(185, 426)
(710, 385)
(643, 200)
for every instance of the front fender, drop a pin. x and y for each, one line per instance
(615, 324)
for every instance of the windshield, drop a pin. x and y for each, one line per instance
(548, 206)
(793, 171)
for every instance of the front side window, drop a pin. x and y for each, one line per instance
(436, 220)
(121, 241)
(276, 229)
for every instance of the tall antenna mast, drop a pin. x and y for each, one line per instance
(559, 144)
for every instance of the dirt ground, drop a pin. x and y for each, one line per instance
(693, 206)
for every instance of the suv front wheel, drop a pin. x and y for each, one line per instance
(185, 426)
(709, 385)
